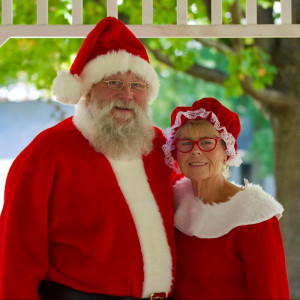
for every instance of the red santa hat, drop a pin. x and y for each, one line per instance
(108, 49)
(224, 120)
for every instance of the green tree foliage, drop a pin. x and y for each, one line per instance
(37, 60)
(251, 61)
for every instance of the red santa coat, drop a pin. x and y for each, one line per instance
(231, 250)
(72, 216)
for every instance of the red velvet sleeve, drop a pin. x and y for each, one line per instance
(24, 225)
(264, 260)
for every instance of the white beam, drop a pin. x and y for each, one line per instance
(286, 11)
(3, 40)
(217, 31)
(42, 12)
(156, 31)
(147, 12)
(182, 12)
(76, 12)
(251, 11)
(7, 16)
(112, 8)
(216, 12)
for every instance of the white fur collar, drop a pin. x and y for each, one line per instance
(195, 218)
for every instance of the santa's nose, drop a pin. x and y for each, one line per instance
(126, 93)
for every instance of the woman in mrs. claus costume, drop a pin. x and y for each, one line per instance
(228, 238)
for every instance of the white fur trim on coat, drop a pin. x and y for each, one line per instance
(66, 90)
(133, 182)
(195, 218)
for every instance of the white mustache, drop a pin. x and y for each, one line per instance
(123, 104)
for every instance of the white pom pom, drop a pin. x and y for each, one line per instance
(67, 87)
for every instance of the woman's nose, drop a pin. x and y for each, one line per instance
(196, 150)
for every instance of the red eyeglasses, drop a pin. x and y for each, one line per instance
(204, 144)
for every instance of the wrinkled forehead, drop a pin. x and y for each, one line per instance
(195, 129)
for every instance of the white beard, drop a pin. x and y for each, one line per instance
(116, 140)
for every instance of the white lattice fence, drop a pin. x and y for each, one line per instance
(148, 29)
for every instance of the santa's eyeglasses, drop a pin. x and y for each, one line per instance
(204, 144)
(135, 86)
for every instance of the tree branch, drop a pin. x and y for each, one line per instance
(195, 70)
(266, 97)
(210, 43)
(237, 15)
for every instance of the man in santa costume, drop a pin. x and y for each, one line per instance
(88, 209)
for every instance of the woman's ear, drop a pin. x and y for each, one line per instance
(225, 156)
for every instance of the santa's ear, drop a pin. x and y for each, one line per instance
(88, 97)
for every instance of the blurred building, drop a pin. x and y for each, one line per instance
(20, 122)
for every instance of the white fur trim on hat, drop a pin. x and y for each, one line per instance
(67, 87)
(66, 90)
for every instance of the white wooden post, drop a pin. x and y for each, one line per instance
(147, 12)
(182, 10)
(7, 16)
(286, 11)
(216, 12)
(251, 11)
(42, 12)
(112, 8)
(3, 40)
(7, 19)
(76, 12)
